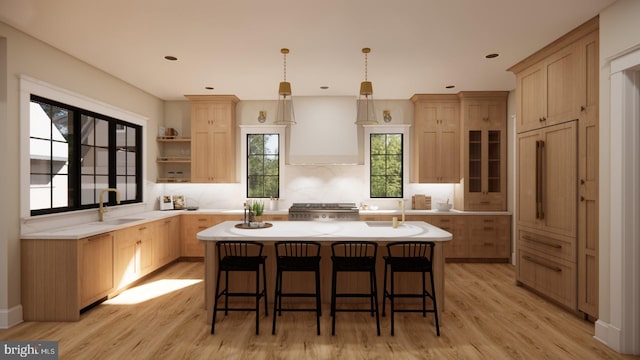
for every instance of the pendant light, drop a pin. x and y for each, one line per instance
(366, 112)
(284, 114)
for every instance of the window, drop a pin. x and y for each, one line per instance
(75, 153)
(263, 165)
(386, 166)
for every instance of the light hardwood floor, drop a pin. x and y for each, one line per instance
(487, 317)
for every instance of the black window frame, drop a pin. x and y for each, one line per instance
(249, 154)
(401, 170)
(75, 170)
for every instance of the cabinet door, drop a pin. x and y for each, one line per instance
(530, 92)
(559, 179)
(562, 95)
(191, 225)
(527, 171)
(488, 237)
(588, 181)
(162, 242)
(125, 259)
(96, 268)
(145, 249)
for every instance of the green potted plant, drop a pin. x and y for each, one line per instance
(257, 208)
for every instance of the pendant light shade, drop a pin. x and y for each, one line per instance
(284, 114)
(366, 111)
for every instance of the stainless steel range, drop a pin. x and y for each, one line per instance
(324, 212)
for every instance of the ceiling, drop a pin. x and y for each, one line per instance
(417, 46)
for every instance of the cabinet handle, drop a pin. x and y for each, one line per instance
(535, 261)
(97, 237)
(539, 177)
(555, 246)
(582, 181)
(487, 228)
(445, 220)
(444, 228)
(544, 118)
(485, 202)
(202, 219)
(581, 198)
(582, 108)
(142, 228)
(488, 220)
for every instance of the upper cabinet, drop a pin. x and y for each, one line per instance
(213, 138)
(551, 84)
(436, 138)
(484, 149)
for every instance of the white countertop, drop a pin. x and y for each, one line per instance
(327, 231)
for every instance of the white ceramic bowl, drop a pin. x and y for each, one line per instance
(441, 206)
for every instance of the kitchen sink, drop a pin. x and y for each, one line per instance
(120, 221)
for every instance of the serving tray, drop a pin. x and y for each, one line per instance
(247, 226)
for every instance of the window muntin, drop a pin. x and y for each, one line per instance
(75, 153)
(263, 165)
(386, 172)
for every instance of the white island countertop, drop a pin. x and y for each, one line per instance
(327, 231)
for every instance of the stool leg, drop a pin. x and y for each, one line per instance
(275, 300)
(215, 303)
(226, 293)
(264, 289)
(257, 300)
(318, 302)
(435, 305)
(391, 304)
(424, 296)
(333, 302)
(374, 288)
(384, 290)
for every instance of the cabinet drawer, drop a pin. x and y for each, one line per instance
(558, 246)
(554, 279)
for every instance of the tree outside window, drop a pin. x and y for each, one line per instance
(263, 165)
(386, 166)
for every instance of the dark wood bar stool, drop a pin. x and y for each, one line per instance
(404, 257)
(240, 256)
(297, 256)
(354, 256)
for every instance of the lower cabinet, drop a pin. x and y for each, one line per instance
(60, 277)
(192, 224)
(95, 265)
(482, 238)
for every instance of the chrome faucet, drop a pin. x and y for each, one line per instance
(103, 209)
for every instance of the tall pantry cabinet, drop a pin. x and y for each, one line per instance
(557, 170)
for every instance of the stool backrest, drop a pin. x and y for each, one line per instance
(297, 248)
(422, 249)
(238, 248)
(354, 249)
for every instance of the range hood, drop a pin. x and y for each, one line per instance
(324, 133)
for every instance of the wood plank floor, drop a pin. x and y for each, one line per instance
(487, 317)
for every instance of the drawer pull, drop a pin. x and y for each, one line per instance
(554, 268)
(555, 246)
(488, 228)
(444, 228)
(202, 219)
(485, 202)
(488, 220)
(444, 220)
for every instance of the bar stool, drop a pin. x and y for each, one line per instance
(354, 256)
(410, 256)
(240, 256)
(297, 256)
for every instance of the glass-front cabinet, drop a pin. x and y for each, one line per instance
(483, 184)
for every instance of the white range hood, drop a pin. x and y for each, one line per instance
(324, 133)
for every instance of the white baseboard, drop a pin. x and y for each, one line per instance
(608, 335)
(10, 317)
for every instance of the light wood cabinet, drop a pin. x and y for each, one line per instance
(192, 224)
(482, 238)
(60, 277)
(134, 254)
(166, 241)
(557, 169)
(213, 138)
(95, 263)
(484, 166)
(436, 138)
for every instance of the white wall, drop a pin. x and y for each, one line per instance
(619, 34)
(25, 55)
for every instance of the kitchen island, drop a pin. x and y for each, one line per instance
(325, 233)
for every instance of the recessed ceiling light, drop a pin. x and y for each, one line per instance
(209, 87)
(171, 58)
(450, 86)
(491, 56)
(324, 87)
